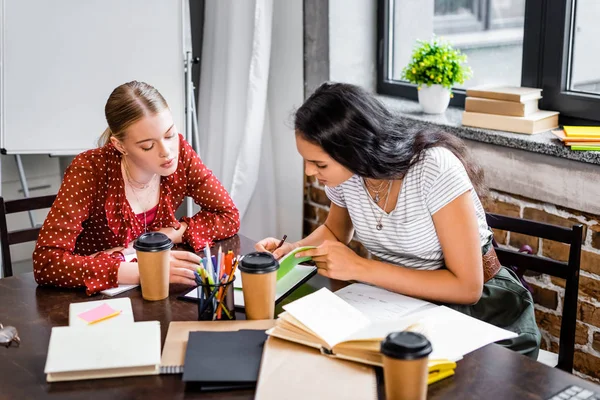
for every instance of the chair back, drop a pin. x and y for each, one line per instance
(569, 271)
(22, 235)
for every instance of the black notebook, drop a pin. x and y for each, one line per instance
(223, 359)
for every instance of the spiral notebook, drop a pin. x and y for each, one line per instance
(173, 355)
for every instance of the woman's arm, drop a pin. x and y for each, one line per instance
(218, 217)
(54, 262)
(462, 281)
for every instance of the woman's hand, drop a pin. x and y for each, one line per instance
(183, 264)
(176, 235)
(270, 245)
(334, 260)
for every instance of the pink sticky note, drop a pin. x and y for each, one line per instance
(99, 313)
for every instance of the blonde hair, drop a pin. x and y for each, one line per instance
(126, 105)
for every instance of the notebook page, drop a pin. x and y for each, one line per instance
(451, 333)
(454, 334)
(379, 304)
(327, 315)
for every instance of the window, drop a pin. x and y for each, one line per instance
(508, 42)
(584, 72)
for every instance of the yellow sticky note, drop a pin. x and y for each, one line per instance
(99, 313)
(582, 131)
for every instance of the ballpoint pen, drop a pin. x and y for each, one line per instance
(281, 243)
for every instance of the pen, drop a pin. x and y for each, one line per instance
(218, 266)
(209, 262)
(213, 261)
(281, 243)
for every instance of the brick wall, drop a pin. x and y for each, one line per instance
(548, 292)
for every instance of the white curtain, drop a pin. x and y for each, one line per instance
(241, 109)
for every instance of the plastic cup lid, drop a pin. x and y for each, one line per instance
(406, 346)
(152, 241)
(259, 263)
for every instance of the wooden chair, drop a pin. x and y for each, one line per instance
(23, 235)
(566, 270)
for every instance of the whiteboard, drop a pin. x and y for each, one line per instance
(61, 59)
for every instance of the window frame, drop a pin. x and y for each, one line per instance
(544, 64)
(572, 105)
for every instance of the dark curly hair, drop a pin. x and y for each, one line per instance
(357, 131)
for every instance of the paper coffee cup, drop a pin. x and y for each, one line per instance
(153, 252)
(405, 372)
(259, 277)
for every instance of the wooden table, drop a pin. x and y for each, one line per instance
(489, 373)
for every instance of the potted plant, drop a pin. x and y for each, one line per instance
(436, 67)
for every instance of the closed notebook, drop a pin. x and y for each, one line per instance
(539, 121)
(77, 353)
(582, 131)
(224, 358)
(508, 93)
(560, 134)
(123, 306)
(325, 321)
(173, 355)
(501, 107)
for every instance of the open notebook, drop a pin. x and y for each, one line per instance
(291, 274)
(328, 322)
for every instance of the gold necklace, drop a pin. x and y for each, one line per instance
(130, 178)
(379, 225)
(372, 187)
(143, 206)
(378, 190)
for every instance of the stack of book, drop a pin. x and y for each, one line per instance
(583, 138)
(507, 108)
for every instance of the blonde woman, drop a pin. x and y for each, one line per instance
(131, 184)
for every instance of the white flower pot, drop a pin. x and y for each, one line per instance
(434, 99)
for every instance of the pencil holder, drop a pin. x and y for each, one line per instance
(216, 302)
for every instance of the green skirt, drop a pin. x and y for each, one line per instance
(506, 304)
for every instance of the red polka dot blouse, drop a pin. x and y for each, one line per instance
(91, 214)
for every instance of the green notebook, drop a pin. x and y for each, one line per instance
(289, 261)
(583, 148)
(290, 275)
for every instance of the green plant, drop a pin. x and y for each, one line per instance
(436, 63)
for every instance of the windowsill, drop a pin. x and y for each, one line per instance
(542, 143)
